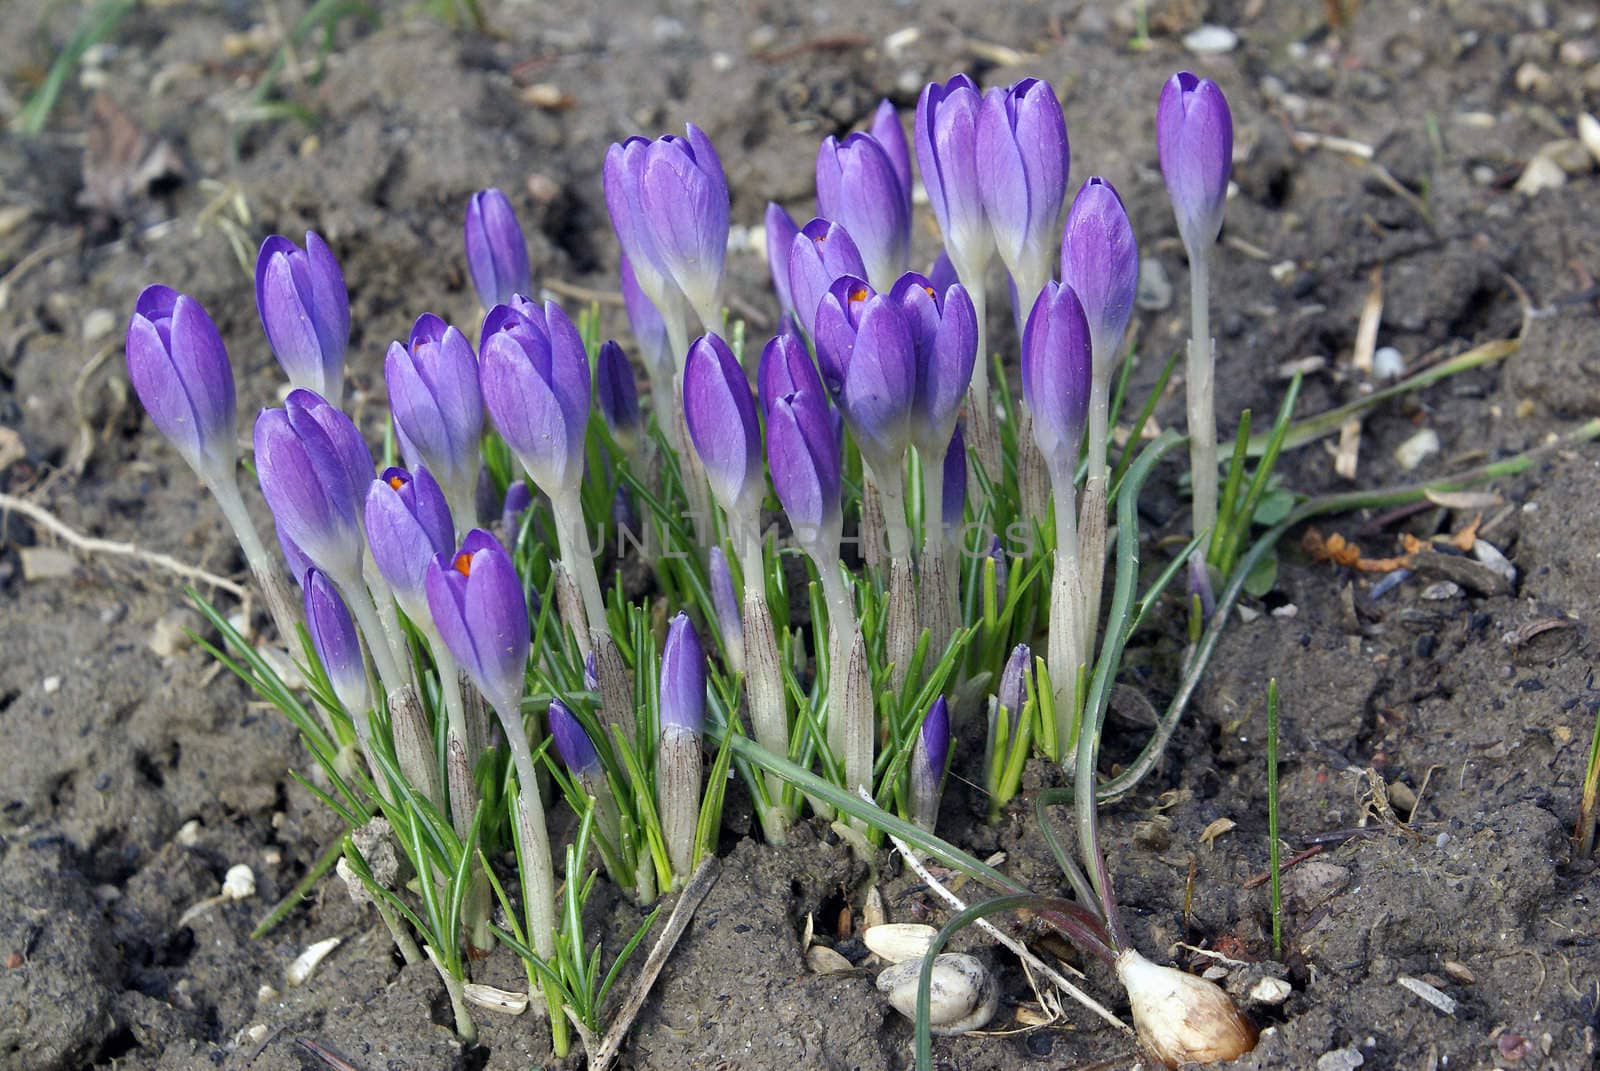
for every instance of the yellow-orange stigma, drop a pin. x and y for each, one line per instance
(929, 289)
(858, 295)
(396, 482)
(462, 564)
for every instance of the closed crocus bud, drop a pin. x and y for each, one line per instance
(942, 274)
(786, 367)
(803, 457)
(294, 559)
(649, 330)
(623, 176)
(887, 132)
(954, 506)
(618, 394)
(721, 415)
(928, 759)
(781, 231)
(334, 638)
(683, 677)
(868, 359)
(535, 376)
(1022, 141)
(1100, 261)
(684, 194)
(1055, 377)
(408, 526)
(305, 311)
(682, 696)
(1181, 1019)
(1013, 691)
(726, 603)
(518, 499)
(1002, 569)
(858, 186)
(572, 743)
(314, 469)
(946, 138)
(180, 371)
(1194, 139)
(944, 333)
(823, 252)
(438, 406)
(475, 597)
(497, 255)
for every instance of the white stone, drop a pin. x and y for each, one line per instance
(1210, 40)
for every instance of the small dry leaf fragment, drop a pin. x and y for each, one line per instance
(306, 963)
(1216, 829)
(824, 960)
(500, 1000)
(1443, 1001)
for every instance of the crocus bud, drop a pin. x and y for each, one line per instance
(726, 603)
(721, 415)
(476, 600)
(1182, 1020)
(408, 525)
(781, 231)
(518, 499)
(858, 186)
(887, 132)
(536, 387)
(1194, 140)
(438, 406)
(954, 505)
(928, 759)
(946, 137)
(864, 344)
(314, 469)
(1002, 569)
(649, 330)
(619, 395)
(1022, 142)
(305, 311)
(944, 334)
(497, 255)
(334, 638)
(1055, 377)
(180, 371)
(1013, 691)
(1100, 261)
(677, 195)
(785, 368)
(572, 743)
(295, 561)
(803, 456)
(682, 697)
(823, 252)
(942, 274)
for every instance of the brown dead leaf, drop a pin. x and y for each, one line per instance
(121, 162)
(1209, 835)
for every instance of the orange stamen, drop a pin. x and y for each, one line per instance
(462, 564)
(858, 295)
(396, 482)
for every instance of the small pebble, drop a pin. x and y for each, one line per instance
(1155, 289)
(266, 993)
(1542, 173)
(1340, 1060)
(1210, 40)
(1270, 991)
(1460, 972)
(1387, 363)
(1589, 134)
(189, 833)
(98, 323)
(50, 685)
(305, 964)
(256, 1032)
(1440, 591)
(1214, 973)
(239, 883)
(824, 960)
(1417, 449)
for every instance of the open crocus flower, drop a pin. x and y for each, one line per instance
(305, 311)
(179, 368)
(1194, 140)
(438, 407)
(859, 186)
(497, 254)
(1022, 142)
(868, 358)
(821, 253)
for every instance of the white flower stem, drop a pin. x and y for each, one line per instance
(533, 841)
(892, 489)
(1200, 394)
(269, 575)
(576, 553)
(762, 668)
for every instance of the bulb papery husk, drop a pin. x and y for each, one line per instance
(1180, 1018)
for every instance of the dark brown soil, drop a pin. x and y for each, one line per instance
(111, 748)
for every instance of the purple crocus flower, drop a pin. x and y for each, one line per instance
(305, 311)
(823, 252)
(944, 335)
(721, 416)
(954, 486)
(1013, 691)
(294, 559)
(726, 604)
(180, 371)
(682, 692)
(673, 197)
(1002, 569)
(408, 525)
(1055, 377)
(928, 758)
(947, 154)
(518, 499)
(535, 378)
(887, 132)
(864, 344)
(649, 330)
(334, 638)
(572, 743)
(858, 186)
(1194, 140)
(942, 274)
(785, 368)
(1100, 261)
(497, 255)
(438, 405)
(314, 469)
(781, 231)
(618, 394)
(476, 600)
(803, 456)
(1022, 141)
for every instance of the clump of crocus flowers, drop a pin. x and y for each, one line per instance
(872, 409)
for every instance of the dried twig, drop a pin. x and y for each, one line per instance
(92, 545)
